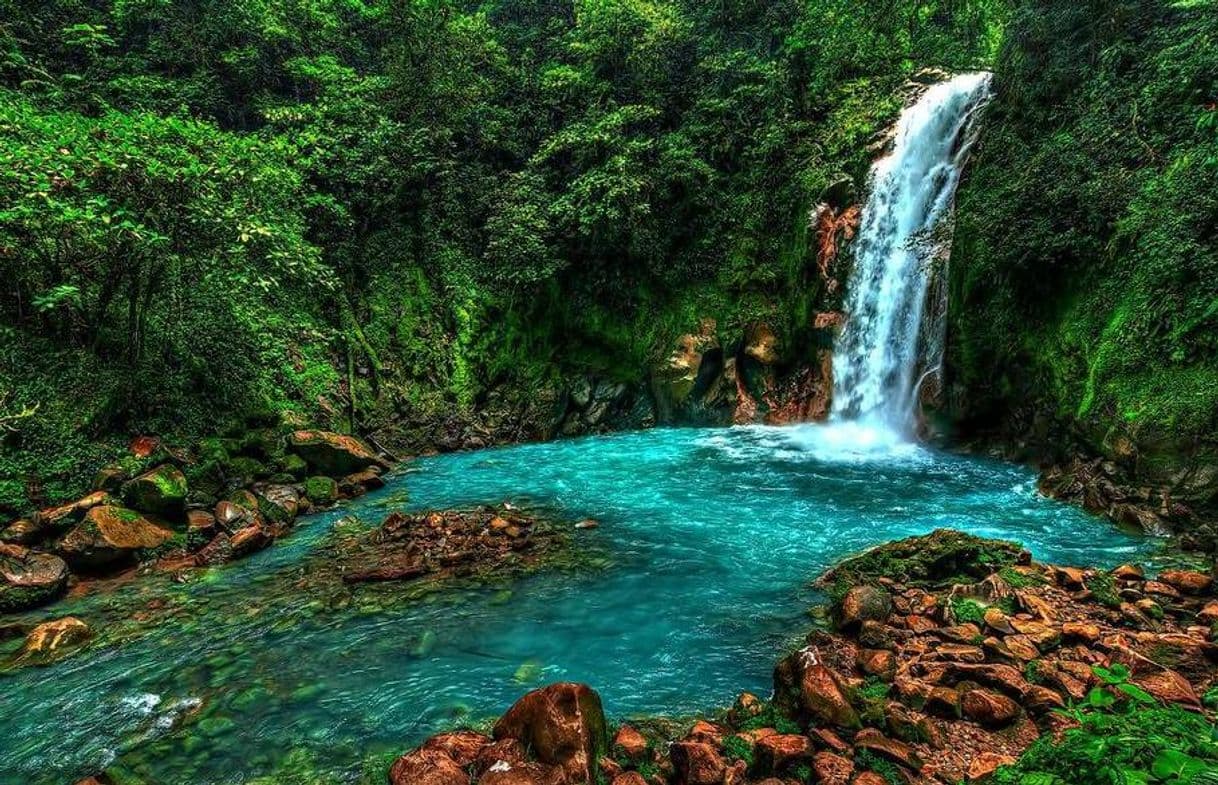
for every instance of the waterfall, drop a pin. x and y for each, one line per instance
(886, 349)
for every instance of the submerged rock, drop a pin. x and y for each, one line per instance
(51, 640)
(29, 578)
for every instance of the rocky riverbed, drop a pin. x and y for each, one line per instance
(941, 659)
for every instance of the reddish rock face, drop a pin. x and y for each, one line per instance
(697, 763)
(864, 603)
(630, 743)
(902, 754)
(986, 764)
(815, 689)
(1187, 581)
(462, 746)
(109, 536)
(878, 662)
(29, 578)
(989, 708)
(776, 753)
(529, 773)
(832, 769)
(333, 453)
(869, 778)
(629, 778)
(427, 767)
(564, 726)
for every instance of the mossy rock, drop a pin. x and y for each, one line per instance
(321, 490)
(161, 491)
(111, 536)
(246, 469)
(295, 466)
(29, 578)
(940, 558)
(213, 450)
(264, 444)
(334, 454)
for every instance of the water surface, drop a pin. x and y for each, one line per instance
(708, 541)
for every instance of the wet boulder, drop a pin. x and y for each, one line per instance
(564, 725)
(29, 578)
(161, 491)
(863, 603)
(697, 763)
(427, 767)
(322, 491)
(110, 536)
(51, 640)
(805, 685)
(333, 453)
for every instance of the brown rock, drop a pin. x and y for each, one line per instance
(563, 724)
(1168, 686)
(959, 652)
(747, 706)
(816, 689)
(829, 740)
(29, 578)
(898, 752)
(832, 769)
(629, 743)
(1187, 581)
(697, 763)
(706, 731)
(1208, 615)
(463, 746)
(1081, 631)
(1021, 647)
(870, 778)
(426, 767)
(1042, 700)
(878, 662)
(1128, 572)
(920, 625)
(249, 540)
(864, 603)
(774, 754)
(996, 620)
(629, 778)
(986, 764)
(332, 453)
(109, 536)
(51, 638)
(943, 702)
(989, 708)
(526, 773)
(501, 754)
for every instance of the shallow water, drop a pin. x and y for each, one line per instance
(708, 541)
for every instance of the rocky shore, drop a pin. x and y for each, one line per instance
(168, 510)
(943, 658)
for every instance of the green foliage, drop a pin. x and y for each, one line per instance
(363, 212)
(1123, 736)
(1103, 587)
(738, 748)
(866, 760)
(1085, 263)
(966, 610)
(771, 717)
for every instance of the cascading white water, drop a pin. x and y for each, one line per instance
(884, 348)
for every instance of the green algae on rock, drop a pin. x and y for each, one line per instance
(942, 557)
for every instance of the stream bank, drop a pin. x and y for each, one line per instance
(942, 659)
